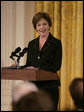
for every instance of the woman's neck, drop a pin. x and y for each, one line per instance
(44, 37)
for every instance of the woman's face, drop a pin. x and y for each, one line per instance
(42, 27)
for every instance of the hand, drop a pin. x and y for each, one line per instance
(31, 67)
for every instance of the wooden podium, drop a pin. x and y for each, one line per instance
(10, 77)
(31, 75)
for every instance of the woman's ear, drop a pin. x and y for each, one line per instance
(48, 28)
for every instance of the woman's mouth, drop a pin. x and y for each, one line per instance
(43, 31)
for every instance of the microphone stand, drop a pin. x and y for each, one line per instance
(17, 62)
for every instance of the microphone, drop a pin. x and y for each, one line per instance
(25, 50)
(17, 50)
(14, 54)
(12, 57)
(21, 54)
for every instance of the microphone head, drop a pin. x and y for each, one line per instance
(25, 50)
(17, 50)
(21, 54)
(12, 58)
(13, 54)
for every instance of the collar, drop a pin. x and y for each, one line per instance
(46, 45)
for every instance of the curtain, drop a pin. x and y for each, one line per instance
(16, 28)
(67, 25)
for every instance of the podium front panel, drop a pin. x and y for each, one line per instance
(31, 75)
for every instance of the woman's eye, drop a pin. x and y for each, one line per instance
(44, 24)
(38, 25)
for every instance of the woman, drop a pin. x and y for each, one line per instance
(45, 52)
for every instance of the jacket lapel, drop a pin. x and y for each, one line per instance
(36, 44)
(46, 45)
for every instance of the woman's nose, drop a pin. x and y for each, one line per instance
(42, 26)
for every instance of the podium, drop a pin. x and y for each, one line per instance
(30, 74)
(10, 77)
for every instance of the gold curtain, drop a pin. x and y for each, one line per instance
(67, 25)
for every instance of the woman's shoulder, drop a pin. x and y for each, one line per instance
(54, 39)
(33, 40)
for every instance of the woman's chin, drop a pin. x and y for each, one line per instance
(43, 34)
